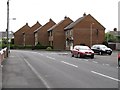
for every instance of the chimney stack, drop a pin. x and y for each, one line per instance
(65, 17)
(27, 24)
(84, 14)
(50, 19)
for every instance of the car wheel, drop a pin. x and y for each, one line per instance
(119, 62)
(109, 53)
(92, 56)
(78, 55)
(75, 55)
(100, 53)
(72, 55)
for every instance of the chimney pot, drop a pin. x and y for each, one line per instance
(84, 14)
(27, 24)
(65, 17)
(50, 19)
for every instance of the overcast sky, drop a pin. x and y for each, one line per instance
(31, 11)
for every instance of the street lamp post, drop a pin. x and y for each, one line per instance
(91, 27)
(7, 30)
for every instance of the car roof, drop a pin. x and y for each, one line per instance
(80, 46)
(98, 45)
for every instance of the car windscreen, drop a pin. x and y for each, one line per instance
(84, 48)
(104, 47)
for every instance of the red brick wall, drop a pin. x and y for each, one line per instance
(59, 35)
(29, 35)
(82, 32)
(43, 34)
(18, 35)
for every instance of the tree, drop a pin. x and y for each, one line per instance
(110, 38)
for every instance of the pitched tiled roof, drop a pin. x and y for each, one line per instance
(65, 18)
(37, 29)
(50, 20)
(22, 28)
(34, 27)
(79, 20)
(55, 26)
(74, 23)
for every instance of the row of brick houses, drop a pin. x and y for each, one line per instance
(63, 35)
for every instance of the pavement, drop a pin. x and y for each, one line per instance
(0, 77)
(16, 74)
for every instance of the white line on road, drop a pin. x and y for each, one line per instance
(105, 76)
(94, 62)
(69, 64)
(12, 56)
(37, 74)
(1, 66)
(50, 57)
(103, 64)
(41, 54)
(85, 59)
(107, 64)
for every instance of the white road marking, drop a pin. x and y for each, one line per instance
(79, 59)
(1, 66)
(105, 76)
(37, 53)
(41, 54)
(107, 64)
(37, 74)
(12, 56)
(85, 59)
(33, 52)
(103, 64)
(69, 64)
(94, 62)
(50, 57)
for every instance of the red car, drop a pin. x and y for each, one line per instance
(118, 59)
(82, 51)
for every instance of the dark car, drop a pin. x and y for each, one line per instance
(101, 49)
(82, 51)
(119, 59)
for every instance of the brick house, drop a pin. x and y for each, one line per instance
(18, 35)
(41, 34)
(29, 38)
(57, 34)
(85, 30)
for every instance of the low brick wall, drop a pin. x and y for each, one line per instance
(3, 54)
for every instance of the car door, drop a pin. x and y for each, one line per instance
(97, 49)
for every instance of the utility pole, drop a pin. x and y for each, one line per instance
(91, 29)
(7, 30)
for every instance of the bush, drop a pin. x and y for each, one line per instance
(40, 47)
(12, 46)
(49, 48)
(105, 43)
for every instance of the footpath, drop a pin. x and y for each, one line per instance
(16, 73)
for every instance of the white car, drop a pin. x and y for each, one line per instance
(82, 51)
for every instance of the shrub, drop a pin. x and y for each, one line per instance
(49, 48)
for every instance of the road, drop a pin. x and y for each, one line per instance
(44, 69)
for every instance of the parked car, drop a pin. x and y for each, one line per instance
(101, 49)
(119, 59)
(82, 51)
